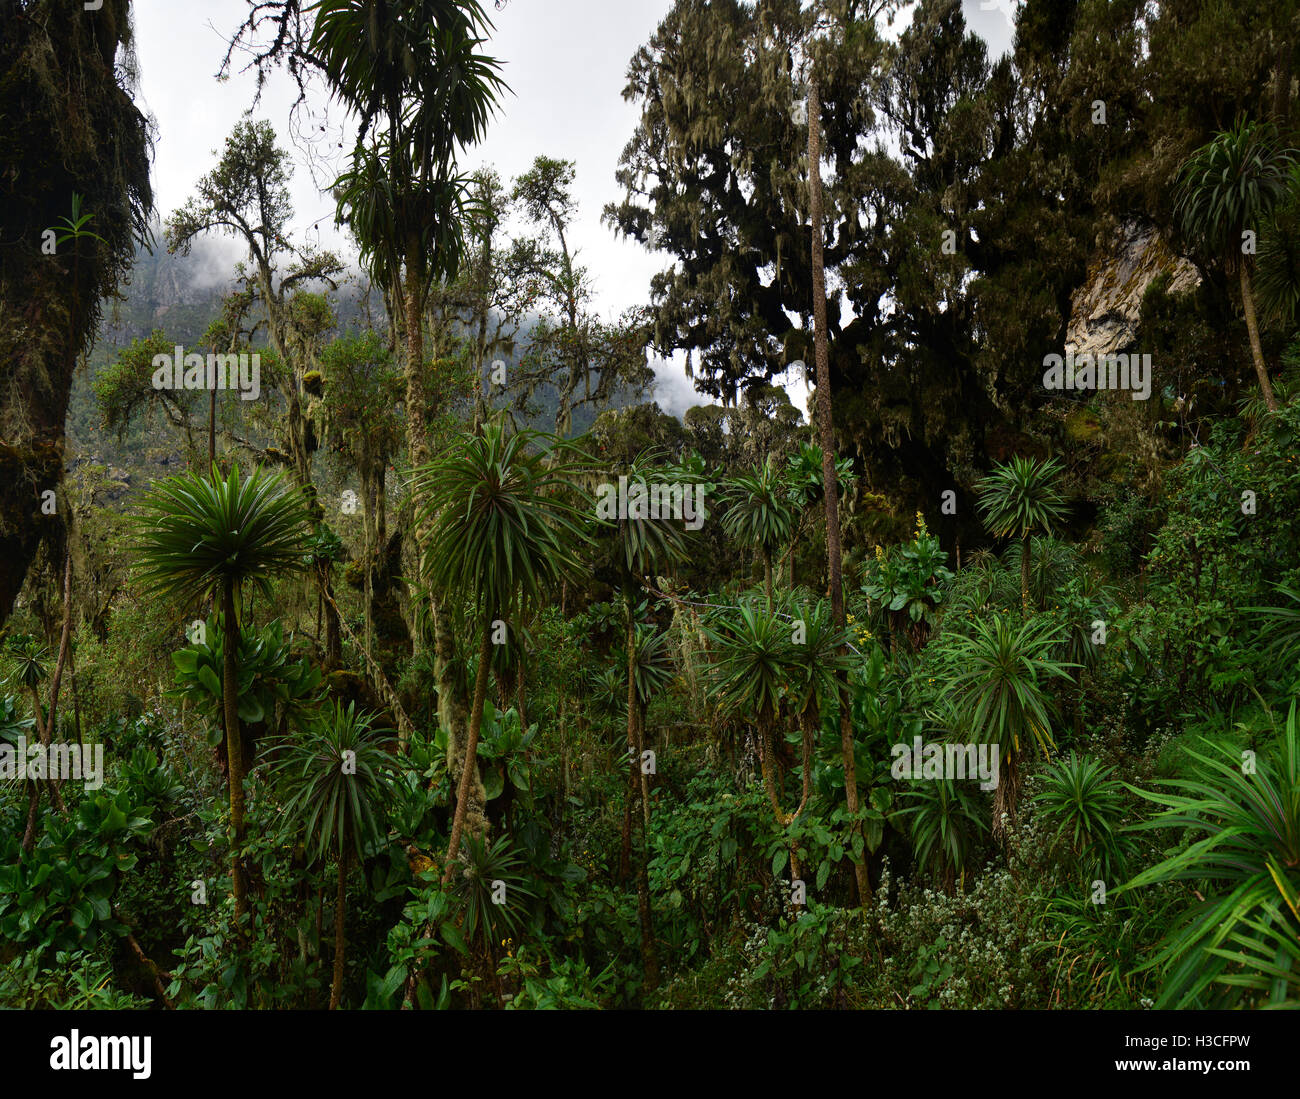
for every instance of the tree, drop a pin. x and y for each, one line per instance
(1277, 273)
(1019, 498)
(1229, 188)
(750, 665)
(760, 514)
(569, 345)
(642, 546)
(505, 531)
(999, 676)
(247, 196)
(411, 71)
(819, 666)
(360, 393)
(339, 777)
(200, 536)
(71, 139)
(652, 671)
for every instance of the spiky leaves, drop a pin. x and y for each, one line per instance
(339, 779)
(1229, 185)
(1244, 938)
(197, 534)
(337, 775)
(507, 524)
(201, 535)
(1226, 188)
(760, 514)
(505, 527)
(1083, 804)
(1000, 676)
(1023, 497)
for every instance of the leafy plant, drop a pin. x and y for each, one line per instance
(1019, 498)
(1249, 860)
(1083, 805)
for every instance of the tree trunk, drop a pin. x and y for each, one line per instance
(470, 767)
(640, 756)
(333, 636)
(33, 804)
(649, 955)
(826, 435)
(1024, 570)
(453, 715)
(234, 744)
(340, 903)
(1282, 83)
(1006, 796)
(1252, 326)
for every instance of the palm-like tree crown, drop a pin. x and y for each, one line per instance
(507, 524)
(821, 662)
(1245, 829)
(652, 664)
(1023, 495)
(1000, 674)
(341, 778)
(751, 661)
(760, 512)
(198, 533)
(646, 545)
(378, 54)
(30, 662)
(1229, 185)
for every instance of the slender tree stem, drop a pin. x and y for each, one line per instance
(340, 944)
(826, 434)
(471, 748)
(234, 745)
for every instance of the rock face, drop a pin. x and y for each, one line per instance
(1104, 310)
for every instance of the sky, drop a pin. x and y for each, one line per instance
(566, 64)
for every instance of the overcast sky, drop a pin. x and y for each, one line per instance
(566, 64)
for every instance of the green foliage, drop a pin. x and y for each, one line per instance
(61, 897)
(1083, 804)
(273, 684)
(752, 654)
(1001, 674)
(29, 662)
(477, 884)
(198, 533)
(507, 522)
(908, 581)
(1023, 496)
(74, 980)
(1247, 812)
(759, 511)
(1231, 184)
(805, 475)
(339, 774)
(945, 821)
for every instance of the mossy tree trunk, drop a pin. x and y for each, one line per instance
(826, 436)
(340, 943)
(234, 743)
